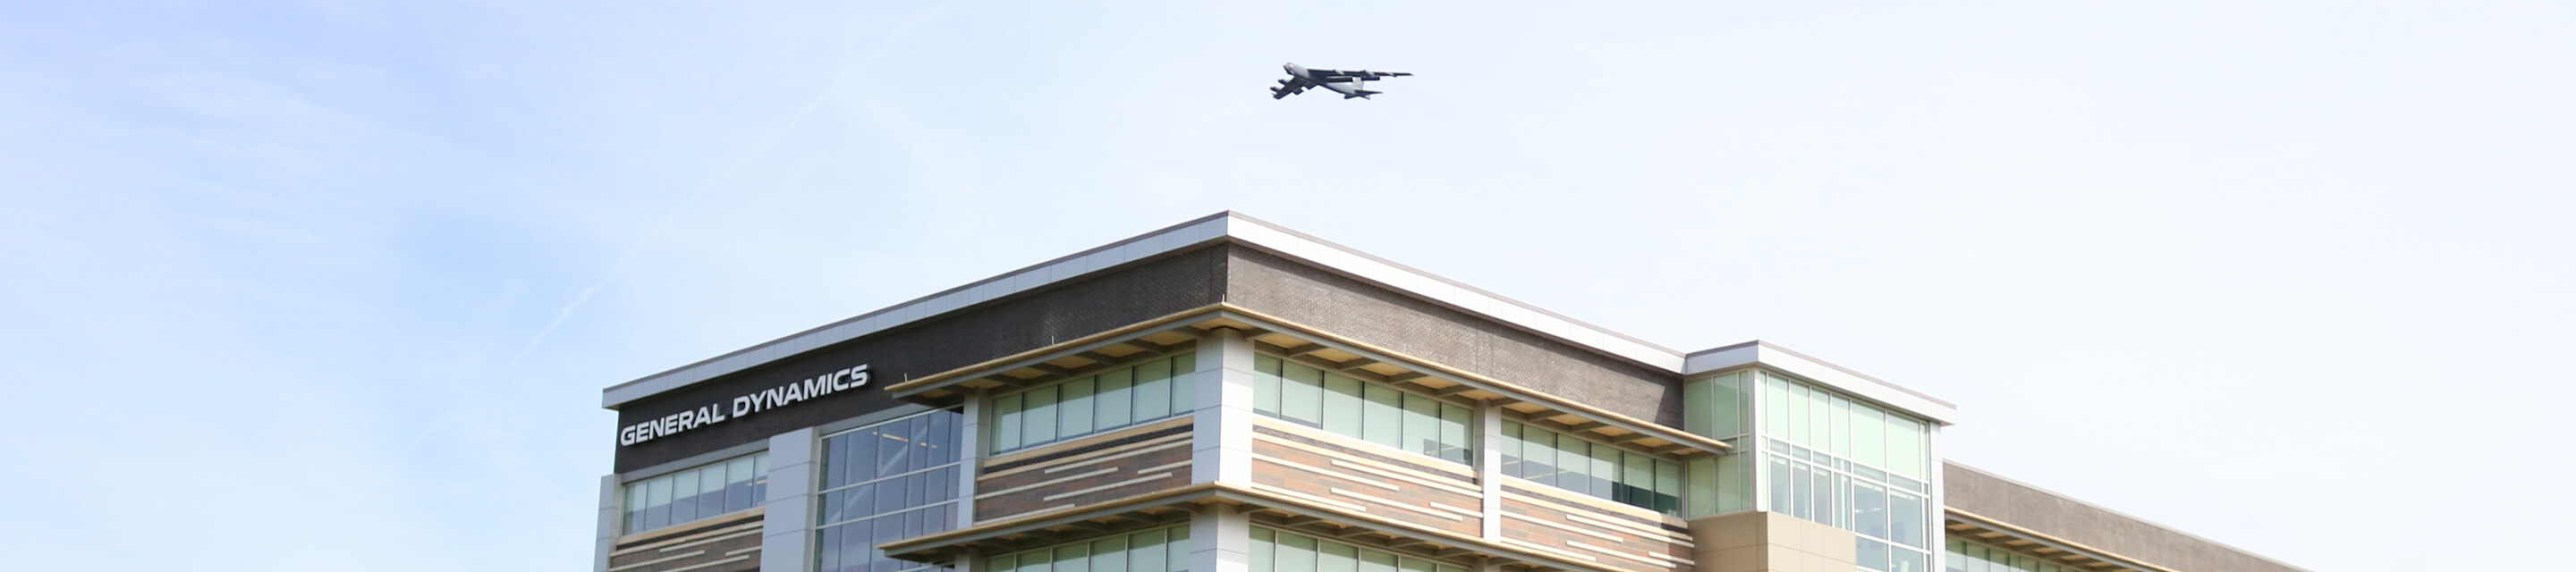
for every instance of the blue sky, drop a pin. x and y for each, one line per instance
(334, 285)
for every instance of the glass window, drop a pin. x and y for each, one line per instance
(1905, 519)
(1008, 417)
(1782, 500)
(1342, 409)
(1421, 423)
(1605, 471)
(1384, 416)
(1869, 510)
(1539, 462)
(1263, 550)
(1375, 561)
(1338, 557)
(1265, 384)
(1296, 553)
(1179, 548)
(1154, 391)
(1274, 551)
(898, 480)
(695, 493)
(1302, 394)
(1596, 469)
(1073, 558)
(1041, 424)
(1114, 399)
(1363, 410)
(1453, 432)
(1074, 407)
(1117, 398)
(1775, 406)
(1869, 436)
(1145, 552)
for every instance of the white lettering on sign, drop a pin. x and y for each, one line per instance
(744, 406)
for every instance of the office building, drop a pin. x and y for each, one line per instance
(1227, 395)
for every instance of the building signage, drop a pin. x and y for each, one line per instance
(744, 406)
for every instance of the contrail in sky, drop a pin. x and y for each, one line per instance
(618, 268)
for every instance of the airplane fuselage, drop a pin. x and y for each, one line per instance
(1349, 83)
(1346, 87)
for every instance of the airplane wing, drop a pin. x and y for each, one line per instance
(1291, 86)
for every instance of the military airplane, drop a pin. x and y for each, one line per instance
(1348, 83)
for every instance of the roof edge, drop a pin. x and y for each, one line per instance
(1835, 376)
(1237, 227)
(2045, 490)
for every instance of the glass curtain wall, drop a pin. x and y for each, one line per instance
(1280, 551)
(1717, 407)
(1852, 465)
(1592, 468)
(1822, 456)
(699, 492)
(1361, 409)
(1087, 405)
(1158, 550)
(886, 482)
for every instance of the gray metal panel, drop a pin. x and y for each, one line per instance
(612, 509)
(787, 527)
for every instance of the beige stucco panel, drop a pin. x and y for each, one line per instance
(1770, 542)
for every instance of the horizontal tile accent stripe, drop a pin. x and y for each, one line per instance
(725, 537)
(1552, 499)
(1094, 489)
(1656, 562)
(1377, 489)
(1354, 479)
(697, 566)
(632, 566)
(1550, 524)
(655, 539)
(1395, 505)
(1054, 481)
(1354, 507)
(1546, 523)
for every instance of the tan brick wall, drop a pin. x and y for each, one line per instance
(1592, 531)
(1331, 470)
(1108, 467)
(729, 543)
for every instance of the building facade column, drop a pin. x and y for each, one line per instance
(971, 429)
(1221, 540)
(1221, 420)
(1489, 467)
(787, 527)
(1221, 449)
(612, 517)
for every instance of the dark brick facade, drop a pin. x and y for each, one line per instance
(1345, 306)
(1986, 495)
(1086, 306)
